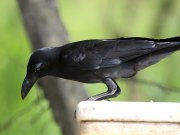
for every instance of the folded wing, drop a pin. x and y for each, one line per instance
(96, 54)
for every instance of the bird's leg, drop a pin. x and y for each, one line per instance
(113, 91)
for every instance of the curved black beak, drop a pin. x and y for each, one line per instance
(28, 82)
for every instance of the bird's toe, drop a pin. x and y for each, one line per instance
(91, 99)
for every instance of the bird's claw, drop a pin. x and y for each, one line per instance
(95, 99)
(91, 99)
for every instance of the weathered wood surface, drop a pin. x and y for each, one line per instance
(128, 118)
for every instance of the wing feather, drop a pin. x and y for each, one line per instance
(95, 54)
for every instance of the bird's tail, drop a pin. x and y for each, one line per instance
(163, 48)
(167, 43)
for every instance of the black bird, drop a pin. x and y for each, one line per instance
(98, 61)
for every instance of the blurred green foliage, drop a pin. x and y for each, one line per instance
(84, 19)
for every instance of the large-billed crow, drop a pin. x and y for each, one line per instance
(94, 61)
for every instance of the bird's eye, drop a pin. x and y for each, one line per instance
(37, 69)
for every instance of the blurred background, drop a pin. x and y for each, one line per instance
(85, 19)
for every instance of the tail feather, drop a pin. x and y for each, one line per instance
(166, 43)
(172, 39)
(154, 57)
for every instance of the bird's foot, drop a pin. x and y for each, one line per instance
(95, 99)
(91, 99)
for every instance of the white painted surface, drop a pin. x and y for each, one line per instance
(128, 118)
(128, 111)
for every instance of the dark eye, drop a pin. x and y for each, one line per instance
(37, 69)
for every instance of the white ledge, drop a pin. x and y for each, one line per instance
(127, 118)
(128, 111)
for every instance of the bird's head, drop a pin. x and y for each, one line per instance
(38, 66)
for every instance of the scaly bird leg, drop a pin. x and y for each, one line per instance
(113, 91)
